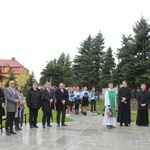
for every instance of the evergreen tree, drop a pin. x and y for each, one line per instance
(31, 79)
(134, 61)
(81, 63)
(87, 65)
(11, 77)
(107, 68)
(142, 47)
(59, 70)
(68, 75)
(96, 59)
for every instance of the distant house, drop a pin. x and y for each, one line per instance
(12, 65)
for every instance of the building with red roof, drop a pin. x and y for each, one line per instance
(8, 66)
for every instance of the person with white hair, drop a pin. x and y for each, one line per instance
(61, 103)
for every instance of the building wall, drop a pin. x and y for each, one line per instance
(23, 76)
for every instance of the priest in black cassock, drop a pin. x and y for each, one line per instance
(143, 97)
(124, 96)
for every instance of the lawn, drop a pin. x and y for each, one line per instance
(100, 109)
(40, 113)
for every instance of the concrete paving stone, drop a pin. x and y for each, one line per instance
(146, 142)
(125, 147)
(64, 139)
(90, 132)
(101, 147)
(85, 132)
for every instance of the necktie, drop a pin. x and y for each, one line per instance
(49, 91)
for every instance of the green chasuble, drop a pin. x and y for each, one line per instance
(112, 95)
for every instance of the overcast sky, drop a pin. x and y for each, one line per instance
(36, 31)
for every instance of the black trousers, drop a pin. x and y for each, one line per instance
(33, 114)
(59, 112)
(76, 106)
(93, 105)
(21, 119)
(17, 122)
(9, 121)
(46, 116)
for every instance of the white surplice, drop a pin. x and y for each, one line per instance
(108, 120)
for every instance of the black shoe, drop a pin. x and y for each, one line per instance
(49, 126)
(8, 133)
(31, 126)
(64, 125)
(35, 126)
(16, 129)
(120, 124)
(12, 132)
(126, 124)
(112, 126)
(44, 126)
(108, 127)
(58, 125)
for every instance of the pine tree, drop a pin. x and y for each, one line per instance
(88, 63)
(134, 61)
(31, 79)
(68, 75)
(81, 63)
(107, 68)
(59, 70)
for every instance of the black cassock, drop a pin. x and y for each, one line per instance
(124, 108)
(142, 112)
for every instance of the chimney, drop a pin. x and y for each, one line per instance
(13, 58)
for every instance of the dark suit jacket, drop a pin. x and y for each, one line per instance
(46, 96)
(33, 98)
(60, 97)
(2, 100)
(11, 98)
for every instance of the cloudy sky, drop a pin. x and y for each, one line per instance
(36, 31)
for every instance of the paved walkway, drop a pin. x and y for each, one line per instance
(84, 133)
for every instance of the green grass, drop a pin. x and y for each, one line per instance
(40, 114)
(100, 111)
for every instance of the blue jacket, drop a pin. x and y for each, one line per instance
(93, 96)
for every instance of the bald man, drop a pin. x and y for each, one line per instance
(61, 103)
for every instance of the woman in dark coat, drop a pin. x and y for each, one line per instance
(2, 102)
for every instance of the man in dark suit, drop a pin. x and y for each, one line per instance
(33, 99)
(61, 103)
(48, 98)
(12, 100)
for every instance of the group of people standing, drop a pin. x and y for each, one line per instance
(65, 99)
(14, 106)
(81, 97)
(122, 111)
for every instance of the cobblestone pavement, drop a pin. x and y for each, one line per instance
(84, 133)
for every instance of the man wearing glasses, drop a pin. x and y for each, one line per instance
(11, 107)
